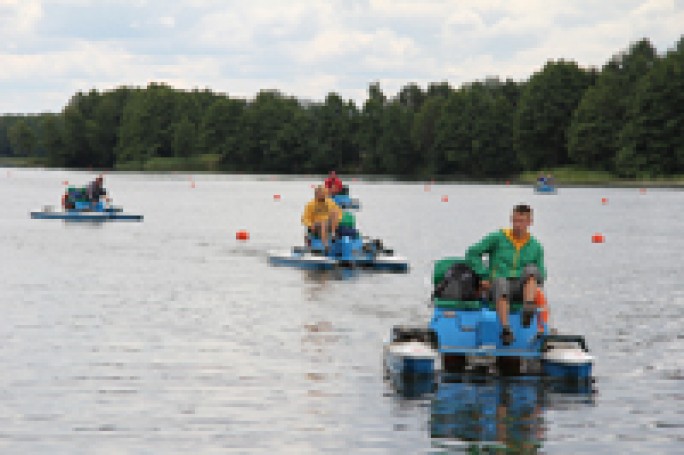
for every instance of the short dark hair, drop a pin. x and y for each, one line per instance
(523, 209)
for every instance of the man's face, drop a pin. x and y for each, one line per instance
(521, 221)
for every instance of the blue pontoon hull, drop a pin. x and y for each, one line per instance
(311, 261)
(112, 215)
(545, 189)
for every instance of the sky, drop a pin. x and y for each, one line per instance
(50, 49)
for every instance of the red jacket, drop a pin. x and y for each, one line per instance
(334, 184)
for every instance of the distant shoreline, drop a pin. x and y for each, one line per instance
(565, 178)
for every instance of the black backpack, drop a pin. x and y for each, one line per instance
(460, 283)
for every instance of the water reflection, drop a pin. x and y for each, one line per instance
(483, 414)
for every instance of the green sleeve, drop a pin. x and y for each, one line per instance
(475, 252)
(540, 263)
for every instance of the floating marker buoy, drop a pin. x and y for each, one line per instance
(598, 238)
(426, 188)
(276, 197)
(192, 184)
(313, 186)
(65, 182)
(604, 200)
(642, 190)
(242, 235)
(445, 198)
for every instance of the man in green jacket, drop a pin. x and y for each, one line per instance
(516, 267)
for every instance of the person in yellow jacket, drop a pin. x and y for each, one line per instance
(321, 215)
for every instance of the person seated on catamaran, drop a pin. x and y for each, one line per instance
(333, 184)
(321, 215)
(549, 179)
(95, 190)
(516, 267)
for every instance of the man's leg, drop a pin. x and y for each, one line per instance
(334, 221)
(324, 233)
(501, 291)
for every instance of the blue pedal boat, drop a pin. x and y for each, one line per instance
(348, 249)
(465, 334)
(545, 188)
(85, 211)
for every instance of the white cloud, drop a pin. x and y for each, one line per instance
(19, 16)
(306, 48)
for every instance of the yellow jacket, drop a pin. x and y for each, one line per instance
(317, 212)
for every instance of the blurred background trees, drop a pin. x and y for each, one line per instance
(625, 118)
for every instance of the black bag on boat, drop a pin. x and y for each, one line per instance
(460, 283)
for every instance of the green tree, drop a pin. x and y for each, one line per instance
(332, 140)
(370, 129)
(423, 133)
(394, 148)
(22, 138)
(544, 113)
(219, 130)
(593, 136)
(184, 138)
(53, 140)
(652, 140)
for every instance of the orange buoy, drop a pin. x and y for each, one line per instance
(445, 198)
(242, 235)
(598, 238)
(426, 187)
(642, 190)
(542, 308)
(276, 197)
(604, 200)
(65, 182)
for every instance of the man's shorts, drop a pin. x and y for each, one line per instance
(512, 288)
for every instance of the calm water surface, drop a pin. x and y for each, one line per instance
(169, 336)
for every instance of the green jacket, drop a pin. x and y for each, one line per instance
(507, 256)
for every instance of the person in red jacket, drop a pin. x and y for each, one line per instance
(333, 184)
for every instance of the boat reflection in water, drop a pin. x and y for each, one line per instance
(470, 413)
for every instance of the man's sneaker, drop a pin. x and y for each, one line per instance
(527, 314)
(506, 335)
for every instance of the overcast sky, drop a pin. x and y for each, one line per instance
(49, 49)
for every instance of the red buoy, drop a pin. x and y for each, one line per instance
(445, 198)
(604, 200)
(642, 190)
(598, 238)
(426, 187)
(276, 197)
(192, 184)
(242, 235)
(65, 182)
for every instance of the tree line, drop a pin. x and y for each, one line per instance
(625, 118)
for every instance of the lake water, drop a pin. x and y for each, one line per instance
(169, 336)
